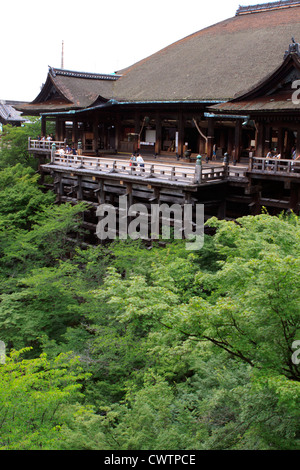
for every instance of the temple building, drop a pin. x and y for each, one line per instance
(8, 113)
(231, 87)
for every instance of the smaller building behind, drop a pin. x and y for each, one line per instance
(9, 115)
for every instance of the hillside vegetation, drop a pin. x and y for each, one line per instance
(119, 347)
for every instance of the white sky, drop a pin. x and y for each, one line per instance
(99, 35)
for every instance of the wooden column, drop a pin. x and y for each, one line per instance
(230, 140)
(260, 148)
(268, 138)
(117, 131)
(158, 133)
(75, 132)
(79, 188)
(210, 137)
(43, 126)
(56, 129)
(100, 192)
(223, 140)
(238, 140)
(60, 130)
(294, 197)
(280, 143)
(96, 133)
(180, 134)
(63, 130)
(137, 126)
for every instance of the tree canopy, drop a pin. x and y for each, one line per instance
(121, 347)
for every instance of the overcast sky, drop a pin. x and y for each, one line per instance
(99, 35)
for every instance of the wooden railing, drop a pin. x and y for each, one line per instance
(45, 144)
(180, 173)
(266, 165)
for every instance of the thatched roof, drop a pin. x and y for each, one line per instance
(215, 63)
(69, 90)
(277, 92)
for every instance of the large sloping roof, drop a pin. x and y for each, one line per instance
(278, 91)
(216, 62)
(68, 90)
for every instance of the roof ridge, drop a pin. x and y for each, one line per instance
(245, 10)
(72, 73)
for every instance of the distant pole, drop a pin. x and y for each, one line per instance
(62, 55)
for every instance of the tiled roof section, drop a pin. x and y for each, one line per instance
(67, 90)
(94, 76)
(8, 114)
(82, 89)
(215, 63)
(274, 93)
(264, 104)
(245, 10)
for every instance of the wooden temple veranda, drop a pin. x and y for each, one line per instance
(227, 93)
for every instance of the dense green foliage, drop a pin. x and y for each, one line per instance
(14, 142)
(119, 347)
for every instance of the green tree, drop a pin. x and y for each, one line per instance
(36, 398)
(14, 143)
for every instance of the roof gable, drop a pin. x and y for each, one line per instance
(66, 90)
(273, 93)
(280, 79)
(50, 92)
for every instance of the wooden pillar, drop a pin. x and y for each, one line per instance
(117, 131)
(43, 126)
(60, 130)
(260, 148)
(137, 128)
(63, 130)
(56, 129)
(223, 139)
(158, 142)
(238, 140)
(95, 133)
(180, 134)
(210, 137)
(280, 144)
(100, 192)
(230, 140)
(268, 138)
(75, 132)
(79, 188)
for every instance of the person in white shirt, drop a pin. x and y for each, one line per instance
(140, 160)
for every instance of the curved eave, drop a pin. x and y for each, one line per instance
(112, 102)
(267, 83)
(50, 82)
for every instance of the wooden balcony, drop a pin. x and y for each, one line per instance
(192, 174)
(44, 146)
(275, 166)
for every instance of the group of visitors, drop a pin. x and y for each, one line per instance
(274, 155)
(67, 150)
(136, 159)
(270, 155)
(49, 138)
